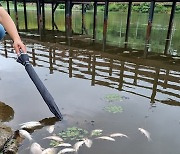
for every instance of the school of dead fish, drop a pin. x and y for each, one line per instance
(36, 148)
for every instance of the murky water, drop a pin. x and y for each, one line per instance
(117, 91)
(96, 90)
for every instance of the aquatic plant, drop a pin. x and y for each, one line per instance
(76, 134)
(113, 97)
(113, 109)
(73, 133)
(96, 132)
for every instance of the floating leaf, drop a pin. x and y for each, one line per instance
(96, 132)
(113, 109)
(74, 133)
(113, 97)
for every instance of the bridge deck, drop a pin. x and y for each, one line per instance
(58, 1)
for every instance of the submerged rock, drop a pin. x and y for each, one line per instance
(6, 114)
(5, 133)
(11, 145)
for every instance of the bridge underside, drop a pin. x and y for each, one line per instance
(60, 1)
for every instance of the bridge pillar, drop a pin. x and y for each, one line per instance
(169, 34)
(68, 19)
(39, 17)
(128, 23)
(16, 14)
(105, 23)
(8, 9)
(25, 15)
(43, 15)
(94, 21)
(149, 27)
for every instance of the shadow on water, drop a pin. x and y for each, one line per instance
(117, 91)
(6, 112)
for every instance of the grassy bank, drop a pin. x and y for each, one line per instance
(114, 7)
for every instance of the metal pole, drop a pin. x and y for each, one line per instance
(83, 13)
(8, 9)
(95, 21)
(52, 15)
(16, 14)
(149, 27)
(39, 18)
(68, 20)
(128, 23)
(43, 15)
(83, 27)
(168, 38)
(25, 15)
(105, 23)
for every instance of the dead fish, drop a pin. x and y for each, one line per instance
(50, 129)
(30, 125)
(77, 145)
(145, 132)
(25, 134)
(49, 151)
(106, 138)
(64, 145)
(118, 135)
(88, 142)
(56, 138)
(35, 148)
(66, 150)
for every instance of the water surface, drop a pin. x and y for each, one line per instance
(116, 90)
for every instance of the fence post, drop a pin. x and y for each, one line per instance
(168, 38)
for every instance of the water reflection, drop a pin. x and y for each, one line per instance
(154, 78)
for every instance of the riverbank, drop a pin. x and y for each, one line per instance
(113, 7)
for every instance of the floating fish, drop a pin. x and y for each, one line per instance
(106, 138)
(25, 134)
(50, 129)
(49, 151)
(77, 145)
(30, 125)
(66, 150)
(88, 142)
(118, 135)
(64, 145)
(56, 138)
(35, 148)
(145, 132)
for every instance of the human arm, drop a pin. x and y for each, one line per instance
(10, 27)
